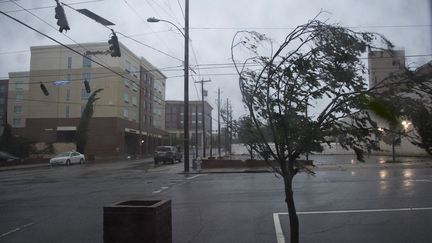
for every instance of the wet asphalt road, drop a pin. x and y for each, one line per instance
(382, 203)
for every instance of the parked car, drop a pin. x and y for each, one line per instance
(68, 158)
(7, 157)
(167, 154)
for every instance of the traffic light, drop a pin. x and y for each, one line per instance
(87, 86)
(44, 89)
(114, 45)
(61, 17)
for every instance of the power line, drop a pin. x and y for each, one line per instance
(52, 6)
(291, 28)
(56, 29)
(181, 9)
(67, 47)
(145, 22)
(128, 37)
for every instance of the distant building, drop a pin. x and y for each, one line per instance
(174, 120)
(128, 117)
(384, 64)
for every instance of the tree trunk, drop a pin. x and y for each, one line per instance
(292, 213)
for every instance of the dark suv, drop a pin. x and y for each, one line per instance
(167, 154)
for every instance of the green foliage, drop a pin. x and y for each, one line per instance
(383, 109)
(422, 120)
(81, 134)
(15, 145)
(317, 63)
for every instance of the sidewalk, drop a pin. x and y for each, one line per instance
(337, 163)
(42, 164)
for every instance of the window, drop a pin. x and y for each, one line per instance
(17, 109)
(19, 85)
(86, 61)
(126, 97)
(135, 87)
(125, 113)
(69, 62)
(134, 100)
(135, 71)
(2, 101)
(127, 66)
(68, 95)
(133, 115)
(84, 94)
(67, 111)
(86, 76)
(3, 89)
(18, 97)
(126, 82)
(68, 77)
(16, 122)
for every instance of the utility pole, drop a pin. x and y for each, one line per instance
(140, 100)
(196, 130)
(219, 135)
(211, 135)
(202, 114)
(228, 126)
(186, 89)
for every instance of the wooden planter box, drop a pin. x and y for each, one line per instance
(138, 221)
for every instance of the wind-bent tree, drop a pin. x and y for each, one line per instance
(248, 134)
(410, 102)
(316, 66)
(81, 134)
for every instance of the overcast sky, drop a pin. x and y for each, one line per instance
(212, 26)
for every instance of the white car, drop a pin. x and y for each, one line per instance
(68, 158)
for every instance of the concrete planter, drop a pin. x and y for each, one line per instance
(138, 221)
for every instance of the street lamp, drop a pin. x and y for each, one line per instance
(186, 80)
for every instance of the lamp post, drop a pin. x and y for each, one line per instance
(186, 80)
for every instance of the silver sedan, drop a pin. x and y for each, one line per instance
(68, 158)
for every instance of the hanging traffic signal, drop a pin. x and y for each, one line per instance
(114, 45)
(61, 17)
(87, 86)
(44, 89)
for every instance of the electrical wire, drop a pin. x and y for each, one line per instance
(145, 22)
(52, 6)
(69, 48)
(128, 37)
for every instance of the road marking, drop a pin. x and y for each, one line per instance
(163, 188)
(15, 230)
(193, 177)
(278, 227)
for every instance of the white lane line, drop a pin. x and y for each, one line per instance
(15, 230)
(278, 227)
(364, 211)
(193, 177)
(163, 188)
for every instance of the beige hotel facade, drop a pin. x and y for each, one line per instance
(128, 117)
